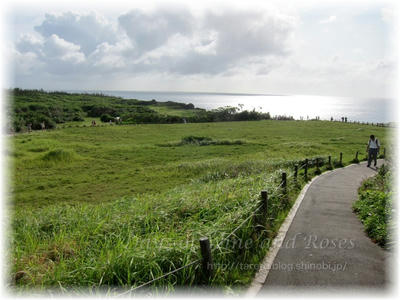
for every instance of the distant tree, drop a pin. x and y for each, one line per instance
(106, 118)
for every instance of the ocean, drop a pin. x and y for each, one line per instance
(355, 109)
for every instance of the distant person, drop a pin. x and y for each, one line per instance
(43, 125)
(29, 127)
(93, 123)
(373, 149)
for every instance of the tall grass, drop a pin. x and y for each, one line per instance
(130, 241)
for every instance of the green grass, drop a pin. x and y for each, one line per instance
(108, 206)
(116, 161)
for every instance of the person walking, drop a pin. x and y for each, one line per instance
(373, 149)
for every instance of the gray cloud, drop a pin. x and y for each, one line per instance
(250, 33)
(166, 40)
(218, 42)
(152, 29)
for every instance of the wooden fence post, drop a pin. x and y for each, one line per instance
(296, 168)
(329, 160)
(384, 152)
(306, 169)
(357, 155)
(341, 157)
(207, 263)
(284, 183)
(264, 202)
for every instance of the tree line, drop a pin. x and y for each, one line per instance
(32, 108)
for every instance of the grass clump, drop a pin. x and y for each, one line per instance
(202, 141)
(59, 156)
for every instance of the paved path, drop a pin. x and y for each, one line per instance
(326, 245)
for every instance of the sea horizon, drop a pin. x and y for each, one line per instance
(373, 109)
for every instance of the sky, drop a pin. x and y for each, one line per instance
(332, 48)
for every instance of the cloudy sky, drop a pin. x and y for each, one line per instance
(278, 47)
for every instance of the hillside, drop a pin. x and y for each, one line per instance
(31, 108)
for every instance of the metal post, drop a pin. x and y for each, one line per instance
(207, 263)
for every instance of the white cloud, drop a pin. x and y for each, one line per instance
(261, 48)
(218, 44)
(331, 19)
(25, 64)
(55, 48)
(108, 57)
(52, 54)
(85, 30)
(165, 39)
(29, 43)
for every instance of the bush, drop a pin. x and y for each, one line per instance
(374, 206)
(371, 209)
(78, 117)
(106, 118)
(38, 119)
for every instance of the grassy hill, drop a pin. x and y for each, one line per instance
(114, 206)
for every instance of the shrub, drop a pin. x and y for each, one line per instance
(78, 117)
(191, 139)
(374, 206)
(106, 118)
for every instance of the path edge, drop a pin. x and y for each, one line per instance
(261, 275)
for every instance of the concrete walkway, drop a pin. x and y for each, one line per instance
(326, 245)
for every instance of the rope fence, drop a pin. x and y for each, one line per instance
(206, 250)
(160, 277)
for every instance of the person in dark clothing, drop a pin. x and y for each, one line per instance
(373, 149)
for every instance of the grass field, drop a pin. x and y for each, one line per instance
(119, 205)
